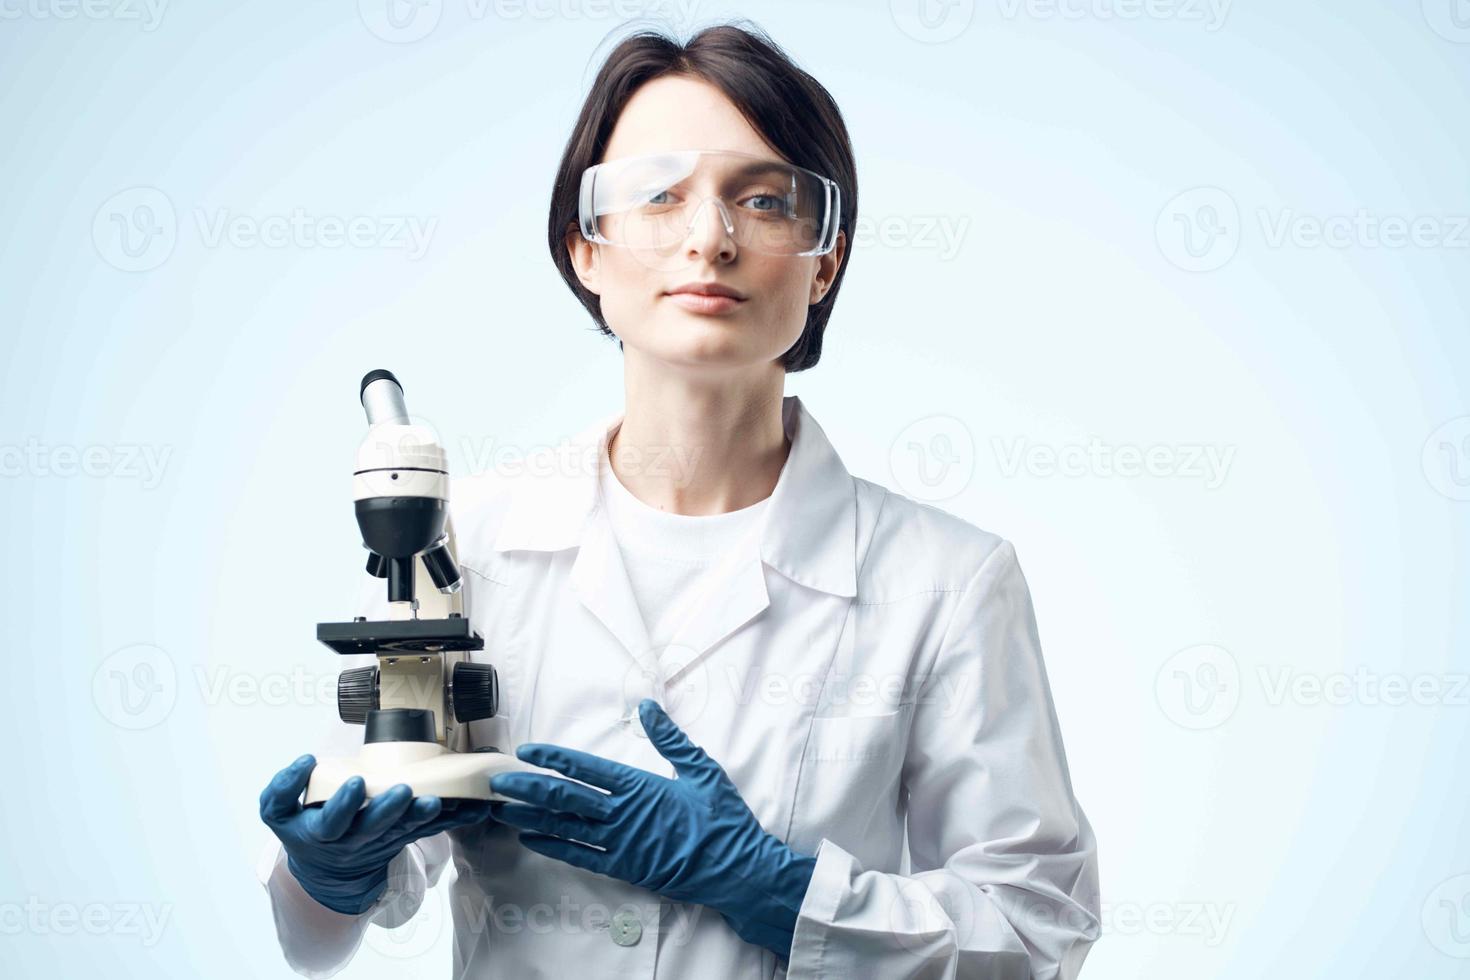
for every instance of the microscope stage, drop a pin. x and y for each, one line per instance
(401, 636)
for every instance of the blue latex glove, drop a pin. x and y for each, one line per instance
(339, 853)
(691, 839)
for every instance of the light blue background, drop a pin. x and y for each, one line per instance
(1079, 152)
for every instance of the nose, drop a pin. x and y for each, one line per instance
(710, 234)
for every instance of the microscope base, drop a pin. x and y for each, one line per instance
(427, 767)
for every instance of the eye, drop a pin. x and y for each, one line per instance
(774, 204)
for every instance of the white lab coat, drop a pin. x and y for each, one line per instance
(876, 661)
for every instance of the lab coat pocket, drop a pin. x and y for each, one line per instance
(863, 738)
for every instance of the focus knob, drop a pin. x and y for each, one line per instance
(476, 692)
(357, 694)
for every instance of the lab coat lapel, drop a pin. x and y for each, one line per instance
(600, 581)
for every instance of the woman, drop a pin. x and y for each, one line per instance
(763, 678)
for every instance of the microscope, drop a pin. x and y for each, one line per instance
(416, 703)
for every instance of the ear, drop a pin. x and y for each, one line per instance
(585, 258)
(826, 271)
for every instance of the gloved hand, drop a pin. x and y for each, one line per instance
(691, 839)
(340, 854)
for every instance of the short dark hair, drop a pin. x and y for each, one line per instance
(787, 106)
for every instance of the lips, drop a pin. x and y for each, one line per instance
(705, 289)
(704, 302)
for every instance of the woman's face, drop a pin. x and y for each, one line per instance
(680, 113)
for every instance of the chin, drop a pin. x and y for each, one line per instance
(706, 348)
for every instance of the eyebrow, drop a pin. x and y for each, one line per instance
(761, 168)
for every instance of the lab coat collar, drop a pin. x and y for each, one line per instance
(810, 529)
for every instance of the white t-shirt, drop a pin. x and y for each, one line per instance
(671, 559)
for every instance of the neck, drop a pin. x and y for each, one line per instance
(700, 446)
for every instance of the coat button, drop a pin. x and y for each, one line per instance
(626, 928)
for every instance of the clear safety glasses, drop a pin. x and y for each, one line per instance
(652, 202)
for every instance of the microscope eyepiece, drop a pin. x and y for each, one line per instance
(378, 375)
(382, 398)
